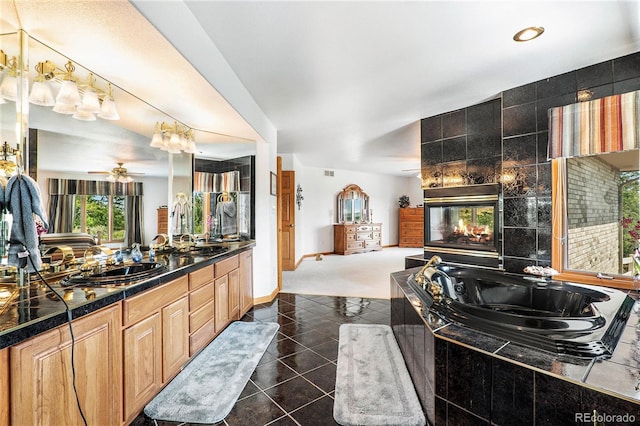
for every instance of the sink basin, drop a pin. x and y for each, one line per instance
(122, 274)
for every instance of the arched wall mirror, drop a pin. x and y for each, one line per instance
(353, 205)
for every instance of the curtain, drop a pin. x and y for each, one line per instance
(133, 220)
(603, 125)
(60, 213)
(203, 182)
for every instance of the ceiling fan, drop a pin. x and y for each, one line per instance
(117, 174)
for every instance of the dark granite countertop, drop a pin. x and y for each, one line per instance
(618, 375)
(28, 311)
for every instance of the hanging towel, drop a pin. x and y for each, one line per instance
(22, 198)
(226, 214)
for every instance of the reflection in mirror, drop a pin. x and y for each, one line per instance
(353, 205)
(602, 212)
(224, 209)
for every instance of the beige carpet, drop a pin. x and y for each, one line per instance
(357, 275)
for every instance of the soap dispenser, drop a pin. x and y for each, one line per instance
(136, 254)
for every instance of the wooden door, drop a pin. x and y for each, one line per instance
(246, 281)
(142, 364)
(288, 220)
(175, 337)
(222, 302)
(41, 380)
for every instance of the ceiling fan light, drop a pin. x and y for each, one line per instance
(41, 94)
(110, 178)
(68, 93)
(191, 148)
(9, 88)
(109, 111)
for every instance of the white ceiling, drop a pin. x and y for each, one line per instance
(344, 83)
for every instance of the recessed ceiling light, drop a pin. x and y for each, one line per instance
(528, 34)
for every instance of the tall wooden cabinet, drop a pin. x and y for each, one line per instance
(163, 220)
(411, 227)
(357, 238)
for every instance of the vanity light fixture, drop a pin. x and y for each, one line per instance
(528, 34)
(173, 139)
(9, 86)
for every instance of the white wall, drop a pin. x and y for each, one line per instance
(314, 221)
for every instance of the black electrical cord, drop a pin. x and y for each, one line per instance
(73, 341)
(23, 263)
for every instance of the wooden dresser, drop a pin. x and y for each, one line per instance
(163, 220)
(411, 227)
(357, 237)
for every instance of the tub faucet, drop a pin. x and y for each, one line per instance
(420, 277)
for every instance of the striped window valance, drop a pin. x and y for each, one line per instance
(93, 187)
(203, 181)
(602, 125)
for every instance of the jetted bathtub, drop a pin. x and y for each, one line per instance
(561, 317)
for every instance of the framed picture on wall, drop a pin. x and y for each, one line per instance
(274, 184)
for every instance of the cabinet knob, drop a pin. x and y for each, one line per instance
(291, 225)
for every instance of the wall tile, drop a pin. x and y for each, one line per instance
(454, 174)
(557, 85)
(544, 209)
(483, 145)
(517, 265)
(519, 150)
(543, 105)
(519, 95)
(549, 408)
(544, 245)
(454, 149)
(431, 128)
(484, 117)
(441, 412)
(601, 91)
(469, 380)
(520, 242)
(542, 142)
(544, 186)
(519, 120)
(484, 170)
(594, 75)
(458, 417)
(431, 153)
(440, 367)
(625, 86)
(519, 181)
(454, 124)
(432, 176)
(512, 388)
(626, 67)
(520, 212)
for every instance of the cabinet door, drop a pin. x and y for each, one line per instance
(222, 302)
(175, 337)
(246, 281)
(142, 364)
(234, 294)
(41, 380)
(5, 388)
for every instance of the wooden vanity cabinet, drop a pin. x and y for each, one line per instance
(357, 238)
(41, 381)
(156, 341)
(5, 399)
(227, 282)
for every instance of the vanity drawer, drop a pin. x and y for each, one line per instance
(373, 243)
(364, 228)
(201, 296)
(376, 235)
(355, 245)
(200, 317)
(139, 307)
(350, 237)
(350, 229)
(225, 266)
(200, 277)
(376, 227)
(363, 237)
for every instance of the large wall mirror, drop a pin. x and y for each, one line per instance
(353, 205)
(64, 147)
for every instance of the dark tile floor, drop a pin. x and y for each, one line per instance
(294, 382)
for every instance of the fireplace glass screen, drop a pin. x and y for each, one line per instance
(462, 226)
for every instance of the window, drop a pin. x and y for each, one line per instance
(101, 215)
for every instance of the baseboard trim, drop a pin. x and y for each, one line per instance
(266, 299)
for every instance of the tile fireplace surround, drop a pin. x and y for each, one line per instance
(463, 376)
